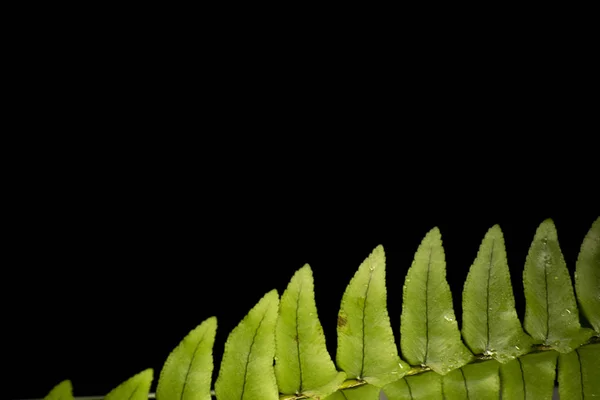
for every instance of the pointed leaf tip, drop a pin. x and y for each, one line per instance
(306, 270)
(547, 230)
(366, 349)
(490, 323)
(551, 314)
(306, 267)
(495, 230)
(429, 332)
(62, 391)
(434, 232)
(135, 388)
(187, 372)
(303, 366)
(247, 365)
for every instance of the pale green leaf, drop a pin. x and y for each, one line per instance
(587, 276)
(366, 348)
(62, 391)
(578, 371)
(429, 333)
(246, 371)
(135, 388)
(473, 381)
(490, 323)
(303, 364)
(426, 386)
(551, 314)
(529, 377)
(187, 373)
(364, 392)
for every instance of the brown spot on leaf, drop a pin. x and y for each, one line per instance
(341, 321)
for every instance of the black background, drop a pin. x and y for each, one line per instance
(115, 256)
(156, 182)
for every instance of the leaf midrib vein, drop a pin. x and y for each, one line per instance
(523, 379)
(427, 307)
(546, 288)
(362, 363)
(298, 338)
(187, 374)
(580, 373)
(465, 382)
(409, 389)
(250, 353)
(487, 297)
(134, 390)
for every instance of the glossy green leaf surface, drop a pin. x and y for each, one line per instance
(365, 392)
(187, 373)
(473, 381)
(579, 373)
(62, 391)
(303, 364)
(529, 377)
(366, 348)
(429, 333)
(425, 386)
(135, 388)
(490, 323)
(587, 276)
(246, 371)
(551, 314)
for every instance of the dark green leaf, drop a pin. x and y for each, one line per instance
(187, 373)
(587, 276)
(551, 314)
(490, 323)
(366, 348)
(429, 333)
(578, 371)
(529, 377)
(246, 371)
(135, 388)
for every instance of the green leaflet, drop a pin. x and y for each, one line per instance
(428, 330)
(246, 371)
(426, 386)
(328, 388)
(303, 364)
(578, 373)
(587, 276)
(365, 392)
(490, 323)
(366, 349)
(135, 388)
(62, 391)
(530, 377)
(187, 372)
(478, 381)
(551, 314)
